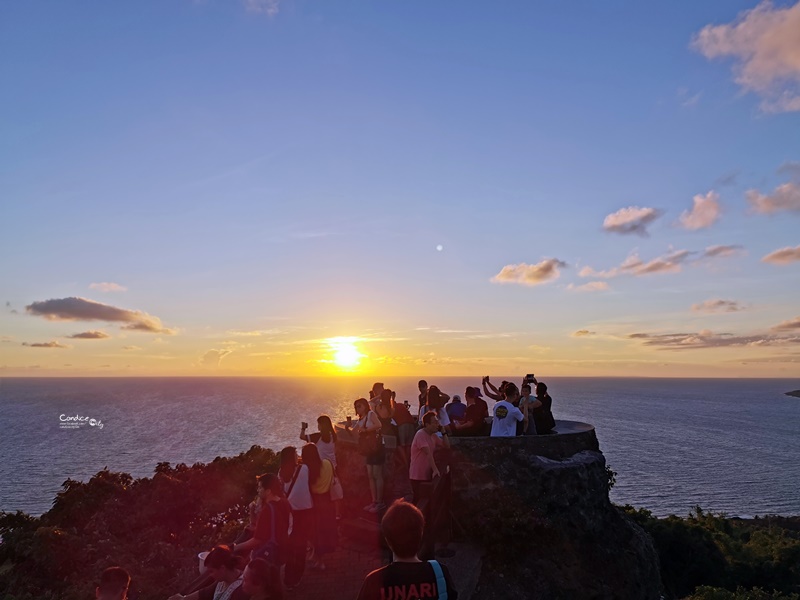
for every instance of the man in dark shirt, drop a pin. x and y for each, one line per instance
(475, 416)
(407, 576)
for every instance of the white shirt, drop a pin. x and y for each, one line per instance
(504, 423)
(300, 496)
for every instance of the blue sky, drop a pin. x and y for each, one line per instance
(292, 168)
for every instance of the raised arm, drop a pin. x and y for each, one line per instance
(495, 395)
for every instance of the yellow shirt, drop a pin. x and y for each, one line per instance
(323, 483)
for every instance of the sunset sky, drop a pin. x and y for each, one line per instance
(298, 187)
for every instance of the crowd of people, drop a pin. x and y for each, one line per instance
(293, 519)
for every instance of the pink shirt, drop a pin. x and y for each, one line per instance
(420, 468)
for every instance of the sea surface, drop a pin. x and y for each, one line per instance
(730, 446)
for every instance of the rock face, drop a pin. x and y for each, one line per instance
(540, 508)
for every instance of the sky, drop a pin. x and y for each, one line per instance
(306, 188)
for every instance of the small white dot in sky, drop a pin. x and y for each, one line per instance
(439, 248)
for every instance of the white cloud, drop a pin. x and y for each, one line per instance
(525, 274)
(784, 256)
(89, 335)
(633, 219)
(704, 213)
(718, 306)
(107, 287)
(785, 197)
(765, 44)
(592, 286)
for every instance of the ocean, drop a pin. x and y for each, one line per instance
(726, 445)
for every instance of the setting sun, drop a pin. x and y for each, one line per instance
(345, 352)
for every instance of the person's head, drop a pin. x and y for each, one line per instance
(259, 580)
(402, 526)
(430, 422)
(423, 386)
(288, 463)
(457, 399)
(435, 398)
(510, 392)
(361, 407)
(470, 395)
(325, 426)
(526, 389)
(269, 487)
(221, 564)
(386, 398)
(541, 389)
(377, 389)
(503, 386)
(310, 456)
(113, 584)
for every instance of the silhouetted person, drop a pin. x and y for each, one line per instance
(543, 415)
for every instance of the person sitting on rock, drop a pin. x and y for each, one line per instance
(506, 415)
(223, 567)
(456, 409)
(260, 582)
(406, 576)
(475, 415)
(114, 583)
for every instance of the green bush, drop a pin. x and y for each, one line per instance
(705, 550)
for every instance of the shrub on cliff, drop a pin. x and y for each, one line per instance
(153, 527)
(705, 549)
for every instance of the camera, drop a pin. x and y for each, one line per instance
(304, 425)
(529, 378)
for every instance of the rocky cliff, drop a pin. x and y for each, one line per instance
(539, 507)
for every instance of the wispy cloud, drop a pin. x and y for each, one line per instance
(765, 46)
(786, 197)
(722, 251)
(704, 213)
(265, 7)
(89, 335)
(107, 287)
(791, 325)
(708, 339)
(718, 306)
(213, 357)
(131, 348)
(688, 99)
(784, 256)
(591, 286)
(633, 219)
(583, 333)
(254, 332)
(790, 168)
(82, 309)
(633, 265)
(530, 275)
(52, 344)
